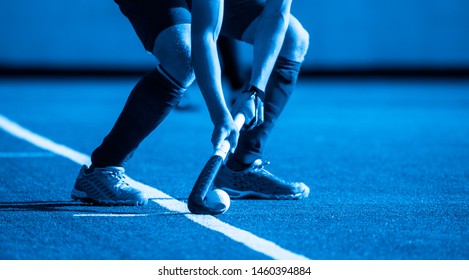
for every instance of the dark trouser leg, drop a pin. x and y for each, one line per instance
(151, 100)
(252, 143)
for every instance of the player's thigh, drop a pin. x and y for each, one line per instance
(296, 40)
(163, 27)
(239, 15)
(242, 17)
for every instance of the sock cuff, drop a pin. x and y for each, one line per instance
(170, 82)
(285, 63)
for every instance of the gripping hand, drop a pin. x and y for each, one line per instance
(251, 104)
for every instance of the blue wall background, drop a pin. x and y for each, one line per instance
(344, 34)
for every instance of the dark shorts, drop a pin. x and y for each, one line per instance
(150, 17)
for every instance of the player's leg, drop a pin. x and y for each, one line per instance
(151, 100)
(233, 68)
(280, 87)
(164, 28)
(245, 175)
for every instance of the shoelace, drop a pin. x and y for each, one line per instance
(263, 164)
(261, 168)
(120, 177)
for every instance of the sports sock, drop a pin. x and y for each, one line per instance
(251, 144)
(150, 101)
(235, 165)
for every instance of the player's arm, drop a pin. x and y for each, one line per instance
(207, 16)
(267, 34)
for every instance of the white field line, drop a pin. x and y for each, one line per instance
(246, 238)
(26, 155)
(110, 215)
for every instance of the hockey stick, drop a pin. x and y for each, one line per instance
(196, 202)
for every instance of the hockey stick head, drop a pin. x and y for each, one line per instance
(196, 202)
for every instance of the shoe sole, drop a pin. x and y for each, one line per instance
(234, 194)
(81, 196)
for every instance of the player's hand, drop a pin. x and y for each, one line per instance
(225, 129)
(251, 104)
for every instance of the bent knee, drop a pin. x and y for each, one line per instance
(296, 41)
(173, 51)
(179, 68)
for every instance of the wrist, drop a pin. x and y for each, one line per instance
(255, 90)
(220, 115)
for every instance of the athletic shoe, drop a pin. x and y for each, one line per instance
(256, 182)
(106, 186)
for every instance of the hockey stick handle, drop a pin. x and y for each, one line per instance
(224, 149)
